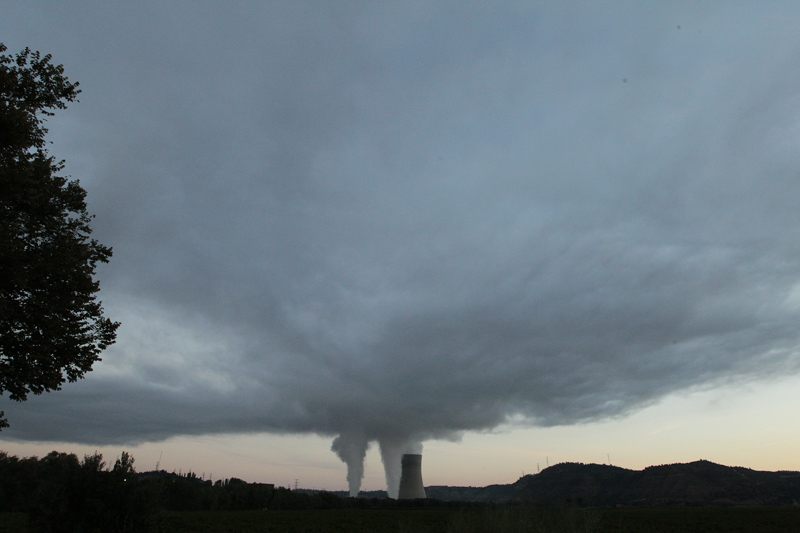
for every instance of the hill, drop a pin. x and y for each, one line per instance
(700, 483)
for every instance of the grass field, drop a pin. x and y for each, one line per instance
(498, 520)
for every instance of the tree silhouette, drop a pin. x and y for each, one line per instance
(52, 329)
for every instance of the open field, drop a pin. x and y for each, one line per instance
(497, 520)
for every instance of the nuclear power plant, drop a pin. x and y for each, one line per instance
(411, 486)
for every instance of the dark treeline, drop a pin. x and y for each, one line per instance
(61, 493)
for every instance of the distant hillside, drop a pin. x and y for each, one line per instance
(691, 484)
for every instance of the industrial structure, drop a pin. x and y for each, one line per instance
(411, 486)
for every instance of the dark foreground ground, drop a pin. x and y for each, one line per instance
(495, 520)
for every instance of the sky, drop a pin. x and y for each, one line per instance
(502, 234)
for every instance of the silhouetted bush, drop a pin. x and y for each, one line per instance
(62, 494)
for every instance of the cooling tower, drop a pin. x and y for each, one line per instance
(411, 478)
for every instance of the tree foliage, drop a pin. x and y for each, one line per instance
(52, 328)
(62, 494)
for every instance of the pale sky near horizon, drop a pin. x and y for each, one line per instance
(733, 426)
(512, 232)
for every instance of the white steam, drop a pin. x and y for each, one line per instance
(351, 448)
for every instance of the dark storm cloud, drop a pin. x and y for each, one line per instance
(402, 223)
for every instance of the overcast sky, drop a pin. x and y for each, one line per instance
(402, 222)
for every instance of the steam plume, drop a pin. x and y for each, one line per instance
(392, 451)
(351, 448)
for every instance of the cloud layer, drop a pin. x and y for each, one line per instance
(401, 223)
